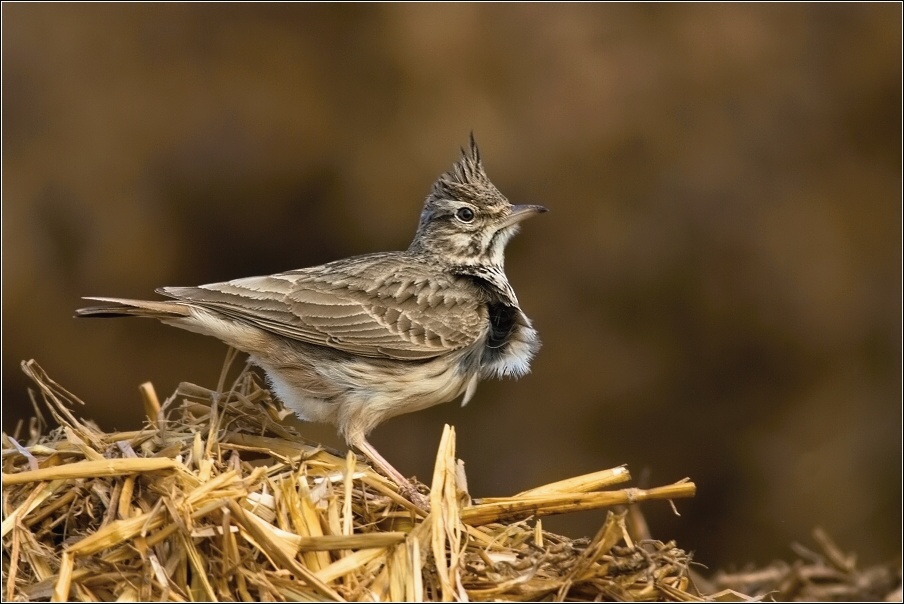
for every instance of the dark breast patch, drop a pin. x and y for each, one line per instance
(502, 322)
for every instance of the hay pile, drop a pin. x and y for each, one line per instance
(824, 575)
(217, 499)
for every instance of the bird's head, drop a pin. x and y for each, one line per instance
(466, 221)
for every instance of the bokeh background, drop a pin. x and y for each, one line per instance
(718, 283)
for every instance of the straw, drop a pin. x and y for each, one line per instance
(216, 499)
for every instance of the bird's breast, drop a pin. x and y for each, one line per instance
(510, 344)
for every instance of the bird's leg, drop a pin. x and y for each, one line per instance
(405, 486)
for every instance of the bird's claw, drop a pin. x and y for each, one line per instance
(411, 493)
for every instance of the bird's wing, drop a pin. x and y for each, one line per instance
(381, 306)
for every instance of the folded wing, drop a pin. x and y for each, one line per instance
(376, 306)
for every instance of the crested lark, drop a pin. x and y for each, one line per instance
(360, 340)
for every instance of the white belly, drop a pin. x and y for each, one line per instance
(358, 395)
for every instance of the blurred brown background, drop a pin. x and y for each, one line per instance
(718, 283)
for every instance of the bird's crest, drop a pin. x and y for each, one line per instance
(466, 180)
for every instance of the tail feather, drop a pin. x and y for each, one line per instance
(122, 307)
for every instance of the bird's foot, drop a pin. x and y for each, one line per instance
(410, 492)
(407, 488)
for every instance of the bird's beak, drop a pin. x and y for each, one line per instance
(522, 212)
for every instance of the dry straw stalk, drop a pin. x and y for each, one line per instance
(217, 499)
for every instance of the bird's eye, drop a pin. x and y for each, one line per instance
(465, 214)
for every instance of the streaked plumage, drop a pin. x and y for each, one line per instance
(356, 341)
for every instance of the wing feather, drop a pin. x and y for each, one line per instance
(382, 305)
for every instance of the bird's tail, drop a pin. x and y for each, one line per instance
(122, 307)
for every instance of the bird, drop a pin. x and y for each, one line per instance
(360, 340)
